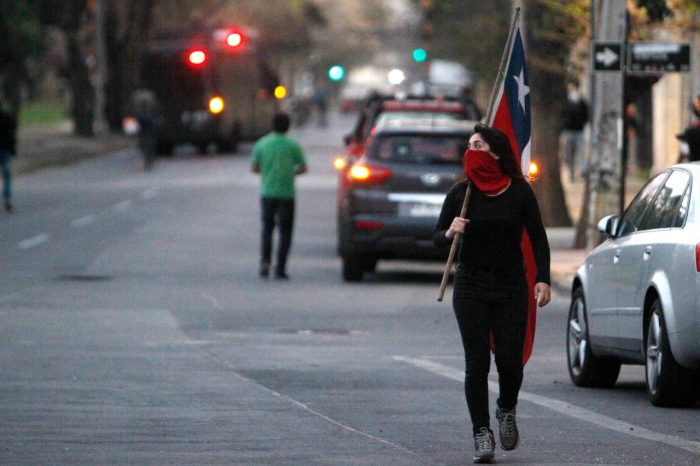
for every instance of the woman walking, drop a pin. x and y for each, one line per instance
(490, 296)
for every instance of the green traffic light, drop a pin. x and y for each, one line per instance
(420, 55)
(336, 72)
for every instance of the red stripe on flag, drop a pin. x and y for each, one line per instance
(502, 121)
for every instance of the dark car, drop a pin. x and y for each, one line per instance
(395, 193)
(379, 110)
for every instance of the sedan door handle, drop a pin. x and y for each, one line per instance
(647, 252)
(616, 257)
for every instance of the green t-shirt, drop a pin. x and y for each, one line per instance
(278, 158)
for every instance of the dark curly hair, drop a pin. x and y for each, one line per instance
(500, 145)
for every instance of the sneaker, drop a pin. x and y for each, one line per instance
(8, 206)
(508, 435)
(484, 446)
(264, 269)
(281, 276)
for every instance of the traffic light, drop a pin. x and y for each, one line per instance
(419, 55)
(336, 72)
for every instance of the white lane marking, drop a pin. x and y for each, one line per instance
(149, 194)
(564, 408)
(215, 302)
(33, 241)
(122, 206)
(304, 406)
(83, 221)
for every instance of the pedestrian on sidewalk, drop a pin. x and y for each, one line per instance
(278, 159)
(490, 298)
(146, 114)
(690, 151)
(8, 145)
(574, 119)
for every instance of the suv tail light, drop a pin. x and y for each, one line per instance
(697, 257)
(368, 174)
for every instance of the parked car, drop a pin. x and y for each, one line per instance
(377, 111)
(395, 193)
(636, 299)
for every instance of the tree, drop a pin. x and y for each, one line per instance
(552, 28)
(20, 34)
(127, 24)
(70, 17)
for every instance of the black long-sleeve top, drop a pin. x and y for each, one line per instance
(491, 239)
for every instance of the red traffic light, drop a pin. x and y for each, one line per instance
(197, 57)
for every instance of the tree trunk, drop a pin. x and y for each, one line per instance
(645, 132)
(127, 25)
(545, 139)
(82, 92)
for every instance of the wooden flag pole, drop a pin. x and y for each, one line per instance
(494, 92)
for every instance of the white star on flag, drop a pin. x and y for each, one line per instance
(523, 89)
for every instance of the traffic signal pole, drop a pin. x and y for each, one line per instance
(606, 145)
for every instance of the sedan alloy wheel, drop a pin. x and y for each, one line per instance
(668, 383)
(585, 369)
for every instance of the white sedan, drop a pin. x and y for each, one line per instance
(636, 299)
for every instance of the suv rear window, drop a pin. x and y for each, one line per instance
(419, 148)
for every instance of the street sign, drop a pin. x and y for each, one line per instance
(606, 56)
(658, 57)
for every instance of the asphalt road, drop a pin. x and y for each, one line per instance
(134, 330)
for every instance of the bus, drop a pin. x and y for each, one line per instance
(210, 87)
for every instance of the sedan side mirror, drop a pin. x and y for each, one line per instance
(608, 225)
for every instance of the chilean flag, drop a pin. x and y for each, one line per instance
(512, 116)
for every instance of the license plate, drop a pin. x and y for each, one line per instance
(424, 210)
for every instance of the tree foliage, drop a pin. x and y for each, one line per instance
(21, 39)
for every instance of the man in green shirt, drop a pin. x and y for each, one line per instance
(278, 159)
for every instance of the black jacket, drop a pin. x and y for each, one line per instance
(492, 238)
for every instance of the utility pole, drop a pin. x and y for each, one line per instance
(605, 164)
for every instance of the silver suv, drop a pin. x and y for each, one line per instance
(395, 193)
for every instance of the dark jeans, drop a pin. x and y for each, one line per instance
(5, 162)
(278, 212)
(487, 303)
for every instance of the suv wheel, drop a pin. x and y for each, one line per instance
(668, 383)
(352, 268)
(586, 370)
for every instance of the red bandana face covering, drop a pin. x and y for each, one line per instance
(485, 171)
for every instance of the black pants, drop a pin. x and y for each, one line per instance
(278, 212)
(487, 303)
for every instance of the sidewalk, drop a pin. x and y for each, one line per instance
(565, 259)
(45, 146)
